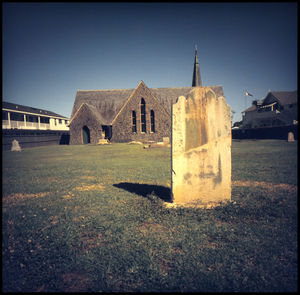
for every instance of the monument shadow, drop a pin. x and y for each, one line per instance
(144, 190)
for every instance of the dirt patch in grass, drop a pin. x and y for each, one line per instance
(14, 198)
(79, 218)
(267, 185)
(91, 187)
(88, 177)
(68, 196)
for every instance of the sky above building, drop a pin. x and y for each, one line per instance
(51, 50)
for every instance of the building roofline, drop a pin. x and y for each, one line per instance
(9, 106)
(129, 98)
(77, 112)
(89, 90)
(128, 89)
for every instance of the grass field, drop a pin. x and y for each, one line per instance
(93, 218)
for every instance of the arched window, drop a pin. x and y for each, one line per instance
(133, 121)
(152, 119)
(143, 115)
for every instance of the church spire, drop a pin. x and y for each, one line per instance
(196, 74)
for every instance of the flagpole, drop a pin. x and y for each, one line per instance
(247, 94)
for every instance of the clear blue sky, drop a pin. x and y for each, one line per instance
(50, 50)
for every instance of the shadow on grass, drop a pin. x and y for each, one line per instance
(144, 190)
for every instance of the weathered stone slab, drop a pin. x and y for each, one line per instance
(135, 142)
(15, 147)
(291, 137)
(166, 140)
(201, 148)
(103, 141)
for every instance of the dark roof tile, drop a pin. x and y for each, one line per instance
(27, 109)
(286, 97)
(107, 102)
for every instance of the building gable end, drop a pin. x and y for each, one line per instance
(84, 105)
(143, 118)
(143, 88)
(270, 99)
(128, 100)
(77, 112)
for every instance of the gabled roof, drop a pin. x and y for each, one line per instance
(26, 109)
(141, 84)
(284, 98)
(93, 111)
(170, 95)
(109, 102)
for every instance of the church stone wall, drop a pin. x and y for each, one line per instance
(122, 125)
(84, 118)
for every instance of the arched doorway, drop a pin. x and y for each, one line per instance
(86, 135)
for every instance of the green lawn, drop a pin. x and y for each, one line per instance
(93, 218)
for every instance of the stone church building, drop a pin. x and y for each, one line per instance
(124, 115)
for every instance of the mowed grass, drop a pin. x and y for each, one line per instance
(93, 218)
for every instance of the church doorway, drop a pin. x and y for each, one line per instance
(86, 135)
(107, 130)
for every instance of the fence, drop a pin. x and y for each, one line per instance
(280, 132)
(23, 125)
(33, 138)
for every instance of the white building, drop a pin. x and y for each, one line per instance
(15, 116)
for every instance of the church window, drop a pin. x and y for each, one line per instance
(152, 117)
(143, 115)
(133, 121)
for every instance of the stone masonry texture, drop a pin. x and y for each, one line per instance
(122, 124)
(85, 118)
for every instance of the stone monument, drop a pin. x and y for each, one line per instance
(291, 137)
(201, 149)
(103, 141)
(15, 147)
